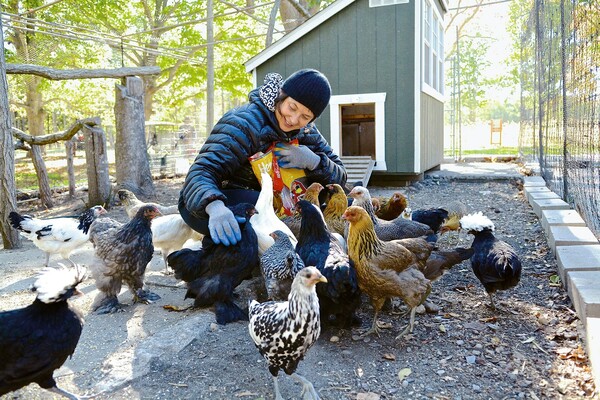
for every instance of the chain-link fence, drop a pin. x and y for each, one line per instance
(560, 78)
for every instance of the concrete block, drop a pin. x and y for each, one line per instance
(577, 258)
(561, 218)
(592, 344)
(570, 236)
(548, 204)
(534, 189)
(584, 290)
(542, 196)
(533, 181)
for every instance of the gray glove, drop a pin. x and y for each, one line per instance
(222, 224)
(290, 156)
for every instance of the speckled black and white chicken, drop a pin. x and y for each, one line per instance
(279, 265)
(121, 254)
(494, 262)
(284, 331)
(398, 228)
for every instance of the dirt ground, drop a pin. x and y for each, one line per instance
(531, 348)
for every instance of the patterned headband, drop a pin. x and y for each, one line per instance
(269, 92)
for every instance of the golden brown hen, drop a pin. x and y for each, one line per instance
(391, 208)
(384, 269)
(334, 209)
(311, 195)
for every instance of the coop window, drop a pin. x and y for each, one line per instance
(433, 50)
(381, 3)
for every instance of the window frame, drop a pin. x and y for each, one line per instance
(432, 52)
(383, 3)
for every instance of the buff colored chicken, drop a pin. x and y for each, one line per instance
(334, 209)
(384, 269)
(391, 208)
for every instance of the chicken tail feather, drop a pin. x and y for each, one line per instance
(186, 263)
(228, 311)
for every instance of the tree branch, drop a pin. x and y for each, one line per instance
(55, 137)
(57, 74)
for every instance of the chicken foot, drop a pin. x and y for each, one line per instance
(411, 323)
(308, 390)
(108, 305)
(492, 304)
(64, 393)
(374, 327)
(145, 296)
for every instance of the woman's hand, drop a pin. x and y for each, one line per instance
(290, 156)
(223, 225)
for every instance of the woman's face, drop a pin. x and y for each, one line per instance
(292, 115)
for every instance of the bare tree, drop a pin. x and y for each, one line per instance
(8, 191)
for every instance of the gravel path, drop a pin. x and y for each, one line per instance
(531, 348)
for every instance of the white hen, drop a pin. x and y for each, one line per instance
(266, 221)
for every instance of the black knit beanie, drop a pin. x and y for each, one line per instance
(310, 88)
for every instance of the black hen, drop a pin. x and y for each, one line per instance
(494, 261)
(36, 340)
(214, 271)
(340, 296)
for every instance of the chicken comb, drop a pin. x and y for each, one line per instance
(476, 222)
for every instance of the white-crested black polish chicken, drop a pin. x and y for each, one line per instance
(37, 340)
(214, 271)
(495, 263)
(340, 296)
(61, 235)
(121, 254)
(279, 265)
(284, 331)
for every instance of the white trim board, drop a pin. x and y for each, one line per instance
(336, 118)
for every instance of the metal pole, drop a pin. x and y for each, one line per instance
(458, 106)
(210, 69)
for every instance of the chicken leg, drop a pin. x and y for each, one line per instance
(145, 296)
(64, 393)
(411, 323)
(308, 390)
(492, 304)
(374, 327)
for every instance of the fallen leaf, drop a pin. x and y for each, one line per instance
(528, 340)
(367, 396)
(245, 393)
(359, 372)
(403, 373)
(442, 328)
(389, 356)
(169, 307)
(384, 325)
(489, 319)
(554, 280)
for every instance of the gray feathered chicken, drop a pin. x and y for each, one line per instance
(284, 331)
(279, 265)
(122, 253)
(398, 228)
(494, 262)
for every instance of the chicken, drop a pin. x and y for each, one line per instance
(214, 271)
(121, 254)
(340, 296)
(38, 339)
(432, 217)
(384, 269)
(337, 203)
(284, 331)
(279, 265)
(169, 233)
(56, 235)
(391, 208)
(398, 228)
(494, 262)
(265, 220)
(132, 204)
(311, 195)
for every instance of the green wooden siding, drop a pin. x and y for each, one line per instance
(432, 132)
(368, 50)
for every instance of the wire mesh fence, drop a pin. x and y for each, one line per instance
(560, 83)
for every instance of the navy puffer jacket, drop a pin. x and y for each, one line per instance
(242, 132)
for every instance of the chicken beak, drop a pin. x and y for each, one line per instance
(323, 279)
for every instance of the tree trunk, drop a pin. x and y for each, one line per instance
(42, 175)
(97, 165)
(70, 150)
(131, 158)
(8, 190)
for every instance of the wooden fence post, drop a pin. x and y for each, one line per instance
(97, 164)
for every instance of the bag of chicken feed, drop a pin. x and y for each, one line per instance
(289, 184)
